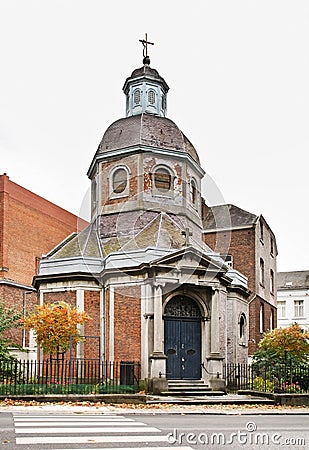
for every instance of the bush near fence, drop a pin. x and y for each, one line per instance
(68, 377)
(276, 378)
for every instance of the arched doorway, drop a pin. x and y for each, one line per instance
(182, 338)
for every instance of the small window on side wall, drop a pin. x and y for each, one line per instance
(242, 327)
(193, 192)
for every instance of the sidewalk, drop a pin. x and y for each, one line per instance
(87, 407)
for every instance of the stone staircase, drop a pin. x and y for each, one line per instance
(190, 388)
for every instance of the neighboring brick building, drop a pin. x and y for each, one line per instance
(248, 244)
(30, 227)
(293, 298)
(158, 294)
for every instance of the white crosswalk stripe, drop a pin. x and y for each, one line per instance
(88, 429)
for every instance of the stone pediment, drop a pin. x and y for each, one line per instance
(192, 260)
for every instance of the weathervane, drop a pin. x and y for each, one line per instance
(145, 43)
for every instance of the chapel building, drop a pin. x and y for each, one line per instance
(156, 291)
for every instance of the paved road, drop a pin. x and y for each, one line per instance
(37, 431)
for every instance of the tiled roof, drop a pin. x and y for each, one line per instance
(292, 280)
(227, 217)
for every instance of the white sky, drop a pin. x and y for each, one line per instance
(238, 73)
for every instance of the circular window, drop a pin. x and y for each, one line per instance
(162, 180)
(119, 181)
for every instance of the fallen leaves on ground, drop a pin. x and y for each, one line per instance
(157, 406)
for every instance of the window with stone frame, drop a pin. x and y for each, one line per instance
(162, 180)
(242, 327)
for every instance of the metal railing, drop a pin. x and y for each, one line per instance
(68, 377)
(276, 378)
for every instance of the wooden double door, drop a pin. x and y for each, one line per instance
(182, 339)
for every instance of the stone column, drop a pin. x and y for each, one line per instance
(80, 307)
(157, 358)
(215, 359)
(215, 323)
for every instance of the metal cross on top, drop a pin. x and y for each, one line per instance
(145, 43)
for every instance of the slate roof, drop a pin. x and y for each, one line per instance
(146, 130)
(161, 232)
(85, 243)
(293, 280)
(227, 217)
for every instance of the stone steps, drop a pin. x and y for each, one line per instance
(189, 388)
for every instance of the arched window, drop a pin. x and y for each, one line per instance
(162, 180)
(272, 281)
(182, 306)
(261, 318)
(137, 97)
(120, 180)
(242, 326)
(151, 97)
(262, 272)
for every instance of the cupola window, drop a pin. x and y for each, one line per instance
(151, 97)
(137, 97)
(162, 180)
(119, 181)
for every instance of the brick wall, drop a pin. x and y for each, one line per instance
(92, 328)
(127, 323)
(240, 244)
(14, 297)
(254, 323)
(29, 227)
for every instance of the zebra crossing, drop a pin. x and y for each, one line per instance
(88, 430)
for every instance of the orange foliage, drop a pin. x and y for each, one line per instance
(55, 326)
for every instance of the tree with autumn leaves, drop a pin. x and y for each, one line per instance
(284, 345)
(55, 326)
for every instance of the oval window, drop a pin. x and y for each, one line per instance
(162, 180)
(119, 180)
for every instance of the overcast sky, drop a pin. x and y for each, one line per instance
(238, 73)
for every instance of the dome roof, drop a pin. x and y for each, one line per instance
(148, 130)
(148, 73)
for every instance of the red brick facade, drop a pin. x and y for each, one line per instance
(127, 323)
(247, 249)
(30, 226)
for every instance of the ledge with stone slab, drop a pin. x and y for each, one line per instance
(293, 399)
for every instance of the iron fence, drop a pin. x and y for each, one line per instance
(68, 377)
(277, 378)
